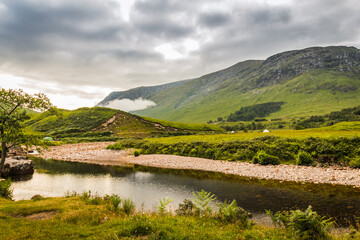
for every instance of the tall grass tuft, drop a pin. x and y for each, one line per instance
(128, 206)
(5, 191)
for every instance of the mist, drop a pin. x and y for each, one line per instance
(129, 105)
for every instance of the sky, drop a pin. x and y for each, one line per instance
(78, 51)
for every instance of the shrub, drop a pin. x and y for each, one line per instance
(37, 197)
(5, 191)
(299, 127)
(128, 206)
(113, 201)
(304, 158)
(95, 200)
(86, 196)
(355, 163)
(304, 225)
(187, 208)
(265, 159)
(231, 212)
(131, 143)
(115, 146)
(136, 153)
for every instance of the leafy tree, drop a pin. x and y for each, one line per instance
(13, 105)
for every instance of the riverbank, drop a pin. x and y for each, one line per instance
(95, 153)
(94, 217)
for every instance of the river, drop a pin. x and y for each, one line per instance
(146, 185)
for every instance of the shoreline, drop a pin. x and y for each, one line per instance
(95, 153)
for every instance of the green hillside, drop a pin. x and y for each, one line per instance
(312, 81)
(106, 122)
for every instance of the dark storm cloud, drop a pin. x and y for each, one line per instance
(162, 19)
(28, 23)
(214, 19)
(268, 16)
(163, 28)
(90, 42)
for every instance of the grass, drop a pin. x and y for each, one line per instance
(74, 218)
(342, 126)
(312, 93)
(317, 147)
(186, 126)
(76, 121)
(298, 134)
(104, 124)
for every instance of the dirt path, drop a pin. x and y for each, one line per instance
(97, 154)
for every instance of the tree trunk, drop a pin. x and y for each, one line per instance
(3, 156)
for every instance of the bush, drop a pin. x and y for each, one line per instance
(5, 191)
(304, 158)
(304, 225)
(136, 153)
(86, 196)
(265, 159)
(187, 208)
(115, 146)
(231, 212)
(323, 150)
(355, 163)
(113, 202)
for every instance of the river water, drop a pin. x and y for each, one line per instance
(145, 186)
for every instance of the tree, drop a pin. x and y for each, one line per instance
(13, 105)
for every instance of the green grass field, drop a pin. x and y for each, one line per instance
(338, 130)
(76, 218)
(88, 123)
(313, 93)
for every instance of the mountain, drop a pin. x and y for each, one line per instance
(136, 93)
(100, 122)
(310, 81)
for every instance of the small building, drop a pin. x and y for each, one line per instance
(266, 131)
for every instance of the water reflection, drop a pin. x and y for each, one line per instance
(147, 185)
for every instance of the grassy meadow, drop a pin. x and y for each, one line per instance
(105, 124)
(341, 130)
(334, 145)
(92, 217)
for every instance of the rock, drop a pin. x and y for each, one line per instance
(37, 197)
(14, 167)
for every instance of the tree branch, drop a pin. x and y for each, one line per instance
(18, 105)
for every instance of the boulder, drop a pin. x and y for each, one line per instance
(15, 167)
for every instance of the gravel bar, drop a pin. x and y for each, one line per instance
(95, 153)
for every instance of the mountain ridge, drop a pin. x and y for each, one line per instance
(309, 81)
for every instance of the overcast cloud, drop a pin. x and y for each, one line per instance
(84, 49)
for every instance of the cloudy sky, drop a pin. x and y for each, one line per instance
(78, 51)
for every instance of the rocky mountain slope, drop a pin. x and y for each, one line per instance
(311, 81)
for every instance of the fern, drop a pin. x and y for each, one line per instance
(202, 201)
(163, 204)
(303, 224)
(231, 212)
